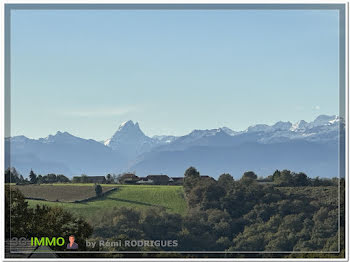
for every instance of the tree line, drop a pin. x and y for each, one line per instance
(284, 178)
(12, 176)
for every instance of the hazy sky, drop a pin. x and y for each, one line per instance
(87, 71)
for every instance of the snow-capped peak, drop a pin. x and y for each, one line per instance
(128, 125)
(107, 142)
(164, 139)
(129, 139)
(126, 132)
(335, 120)
(300, 125)
(207, 132)
(258, 128)
(62, 137)
(228, 131)
(282, 126)
(322, 120)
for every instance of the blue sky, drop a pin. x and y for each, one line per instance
(87, 71)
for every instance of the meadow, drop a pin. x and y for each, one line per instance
(63, 193)
(170, 198)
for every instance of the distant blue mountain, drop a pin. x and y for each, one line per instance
(308, 147)
(62, 153)
(312, 158)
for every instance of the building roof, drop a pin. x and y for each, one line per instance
(96, 177)
(92, 177)
(157, 176)
(128, 175)
(146, 181)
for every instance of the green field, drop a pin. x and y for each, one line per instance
(66, 193)
(138, 196)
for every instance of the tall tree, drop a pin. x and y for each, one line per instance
(12, 176)
(109, 178)
(32, 177)
(249, 175)
(191, 178)
(226, 181)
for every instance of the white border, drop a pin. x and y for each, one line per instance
(174, 2)
(347, 244)
(2, 118)
(2, 130)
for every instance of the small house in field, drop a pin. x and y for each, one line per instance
(129, 178)
(176, 180)
(96, 179)
(159, 179)
(145, 181)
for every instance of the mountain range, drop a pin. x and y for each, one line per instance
(310, 147)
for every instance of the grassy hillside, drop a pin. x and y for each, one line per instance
(139, 196)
